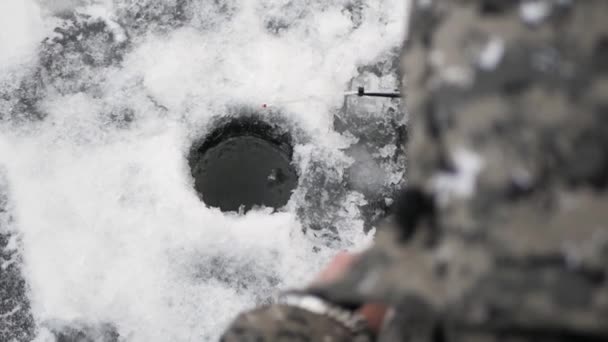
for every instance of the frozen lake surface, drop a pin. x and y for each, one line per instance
(101, 230)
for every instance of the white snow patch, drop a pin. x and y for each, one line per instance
(387, 151)
(21, 29)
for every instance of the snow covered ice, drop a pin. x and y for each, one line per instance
(100, 102)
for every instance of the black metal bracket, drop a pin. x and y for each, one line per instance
(361, 92)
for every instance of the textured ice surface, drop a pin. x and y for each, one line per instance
(99, 104)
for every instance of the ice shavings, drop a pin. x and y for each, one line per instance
(111, 228)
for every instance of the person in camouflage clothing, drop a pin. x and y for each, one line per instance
(502, 231)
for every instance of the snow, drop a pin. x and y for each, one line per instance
(111, 228)
(21, 28)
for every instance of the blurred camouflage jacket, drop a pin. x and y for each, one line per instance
(502, 233)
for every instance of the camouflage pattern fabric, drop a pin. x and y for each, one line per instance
(285, 323)
(502, 232)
